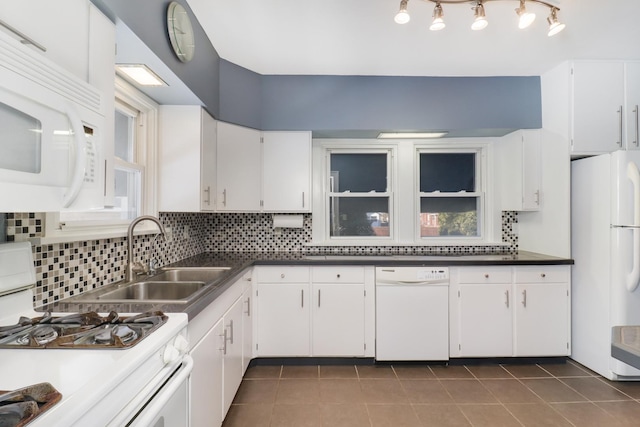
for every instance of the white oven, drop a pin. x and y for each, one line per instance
(50, 135)
(142, 385)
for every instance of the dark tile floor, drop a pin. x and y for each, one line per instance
(440, 396)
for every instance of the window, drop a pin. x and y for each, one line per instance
(359, 196)
(369, 192)
(449, 198)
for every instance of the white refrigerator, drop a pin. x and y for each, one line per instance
(605, 246)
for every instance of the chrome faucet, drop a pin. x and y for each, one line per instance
(135, 268)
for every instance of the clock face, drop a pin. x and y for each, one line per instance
(180, 32)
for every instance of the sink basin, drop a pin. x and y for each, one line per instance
(170, 286)
(191, 274)
(153, 290)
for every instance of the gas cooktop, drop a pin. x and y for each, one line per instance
(80, 330)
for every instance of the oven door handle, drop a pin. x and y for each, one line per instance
(160, 400)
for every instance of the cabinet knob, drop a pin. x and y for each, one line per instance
(338, 276)
(486, 276)
(543, 275)
(282, 276)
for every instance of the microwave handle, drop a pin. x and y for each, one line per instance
(80, 159)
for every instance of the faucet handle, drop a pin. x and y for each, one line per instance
(153, 266)
(139, 268)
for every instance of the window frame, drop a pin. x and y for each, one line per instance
(331, 194)
(405, 222)
(479, 193)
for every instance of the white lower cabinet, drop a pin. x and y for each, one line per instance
(218, 356)
(317, 311)
(510, 311)
(485, 320)
(283, 319)
(206, 379)
(232, 354)
(542, 311)
(247, 321)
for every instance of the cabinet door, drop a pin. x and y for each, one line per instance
(232, 354)
(239, 168)
(338, 319)
(247, 329)
(486, 321)
(598, 97)
(208, 163)
(206, 379)
(286, 171)
(541, 319)
(179, 158)
(518, 170)
(632, 97)
(283, 319)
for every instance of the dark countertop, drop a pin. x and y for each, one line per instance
(239, 261)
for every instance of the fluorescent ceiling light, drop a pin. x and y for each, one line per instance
(140, 74)
(406, 135)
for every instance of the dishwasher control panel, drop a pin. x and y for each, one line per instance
(412, 274)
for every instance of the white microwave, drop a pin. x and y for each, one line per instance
(50, 128)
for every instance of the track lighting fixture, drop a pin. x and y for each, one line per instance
(555, 26)
(438, 18)
(525, 17)
(402, 17)
(479, 19)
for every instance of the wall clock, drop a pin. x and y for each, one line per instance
(180, 32)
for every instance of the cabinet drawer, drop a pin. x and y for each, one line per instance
(337, 274)
(283, 274)
(485, 275)
(542, 274)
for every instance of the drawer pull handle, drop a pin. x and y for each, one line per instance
(302, 298)
(318, 298)
(506, 298)
(524, 298)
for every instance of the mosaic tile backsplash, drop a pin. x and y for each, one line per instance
(65, 269)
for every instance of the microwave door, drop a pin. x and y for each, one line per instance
(38, 151)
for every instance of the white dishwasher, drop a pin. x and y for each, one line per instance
(412, 313)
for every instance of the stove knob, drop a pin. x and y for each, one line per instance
(170, 354)
(181, 344)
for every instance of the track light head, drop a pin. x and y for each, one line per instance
(525, 18)
(402, 17)
(479, 20)
(438, 18)
(555, 26)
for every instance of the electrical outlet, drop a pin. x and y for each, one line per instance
(168, 233)
(186, 232)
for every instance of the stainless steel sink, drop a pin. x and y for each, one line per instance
(152, 290)
(191, 274)
(170, 286)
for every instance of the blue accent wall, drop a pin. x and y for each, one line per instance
(240, 95)
(399, 103)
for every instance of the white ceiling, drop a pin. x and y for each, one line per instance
(360, 37)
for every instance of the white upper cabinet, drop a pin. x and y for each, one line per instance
(598, 100)
(186, 155)
(632, 103)
(286, 171)
(593, 104)
(519, 170)
(60, 27)
(239, 168)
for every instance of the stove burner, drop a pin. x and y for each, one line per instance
(123, 332)
(44, 335)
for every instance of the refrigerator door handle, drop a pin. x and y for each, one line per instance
(633, 278)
